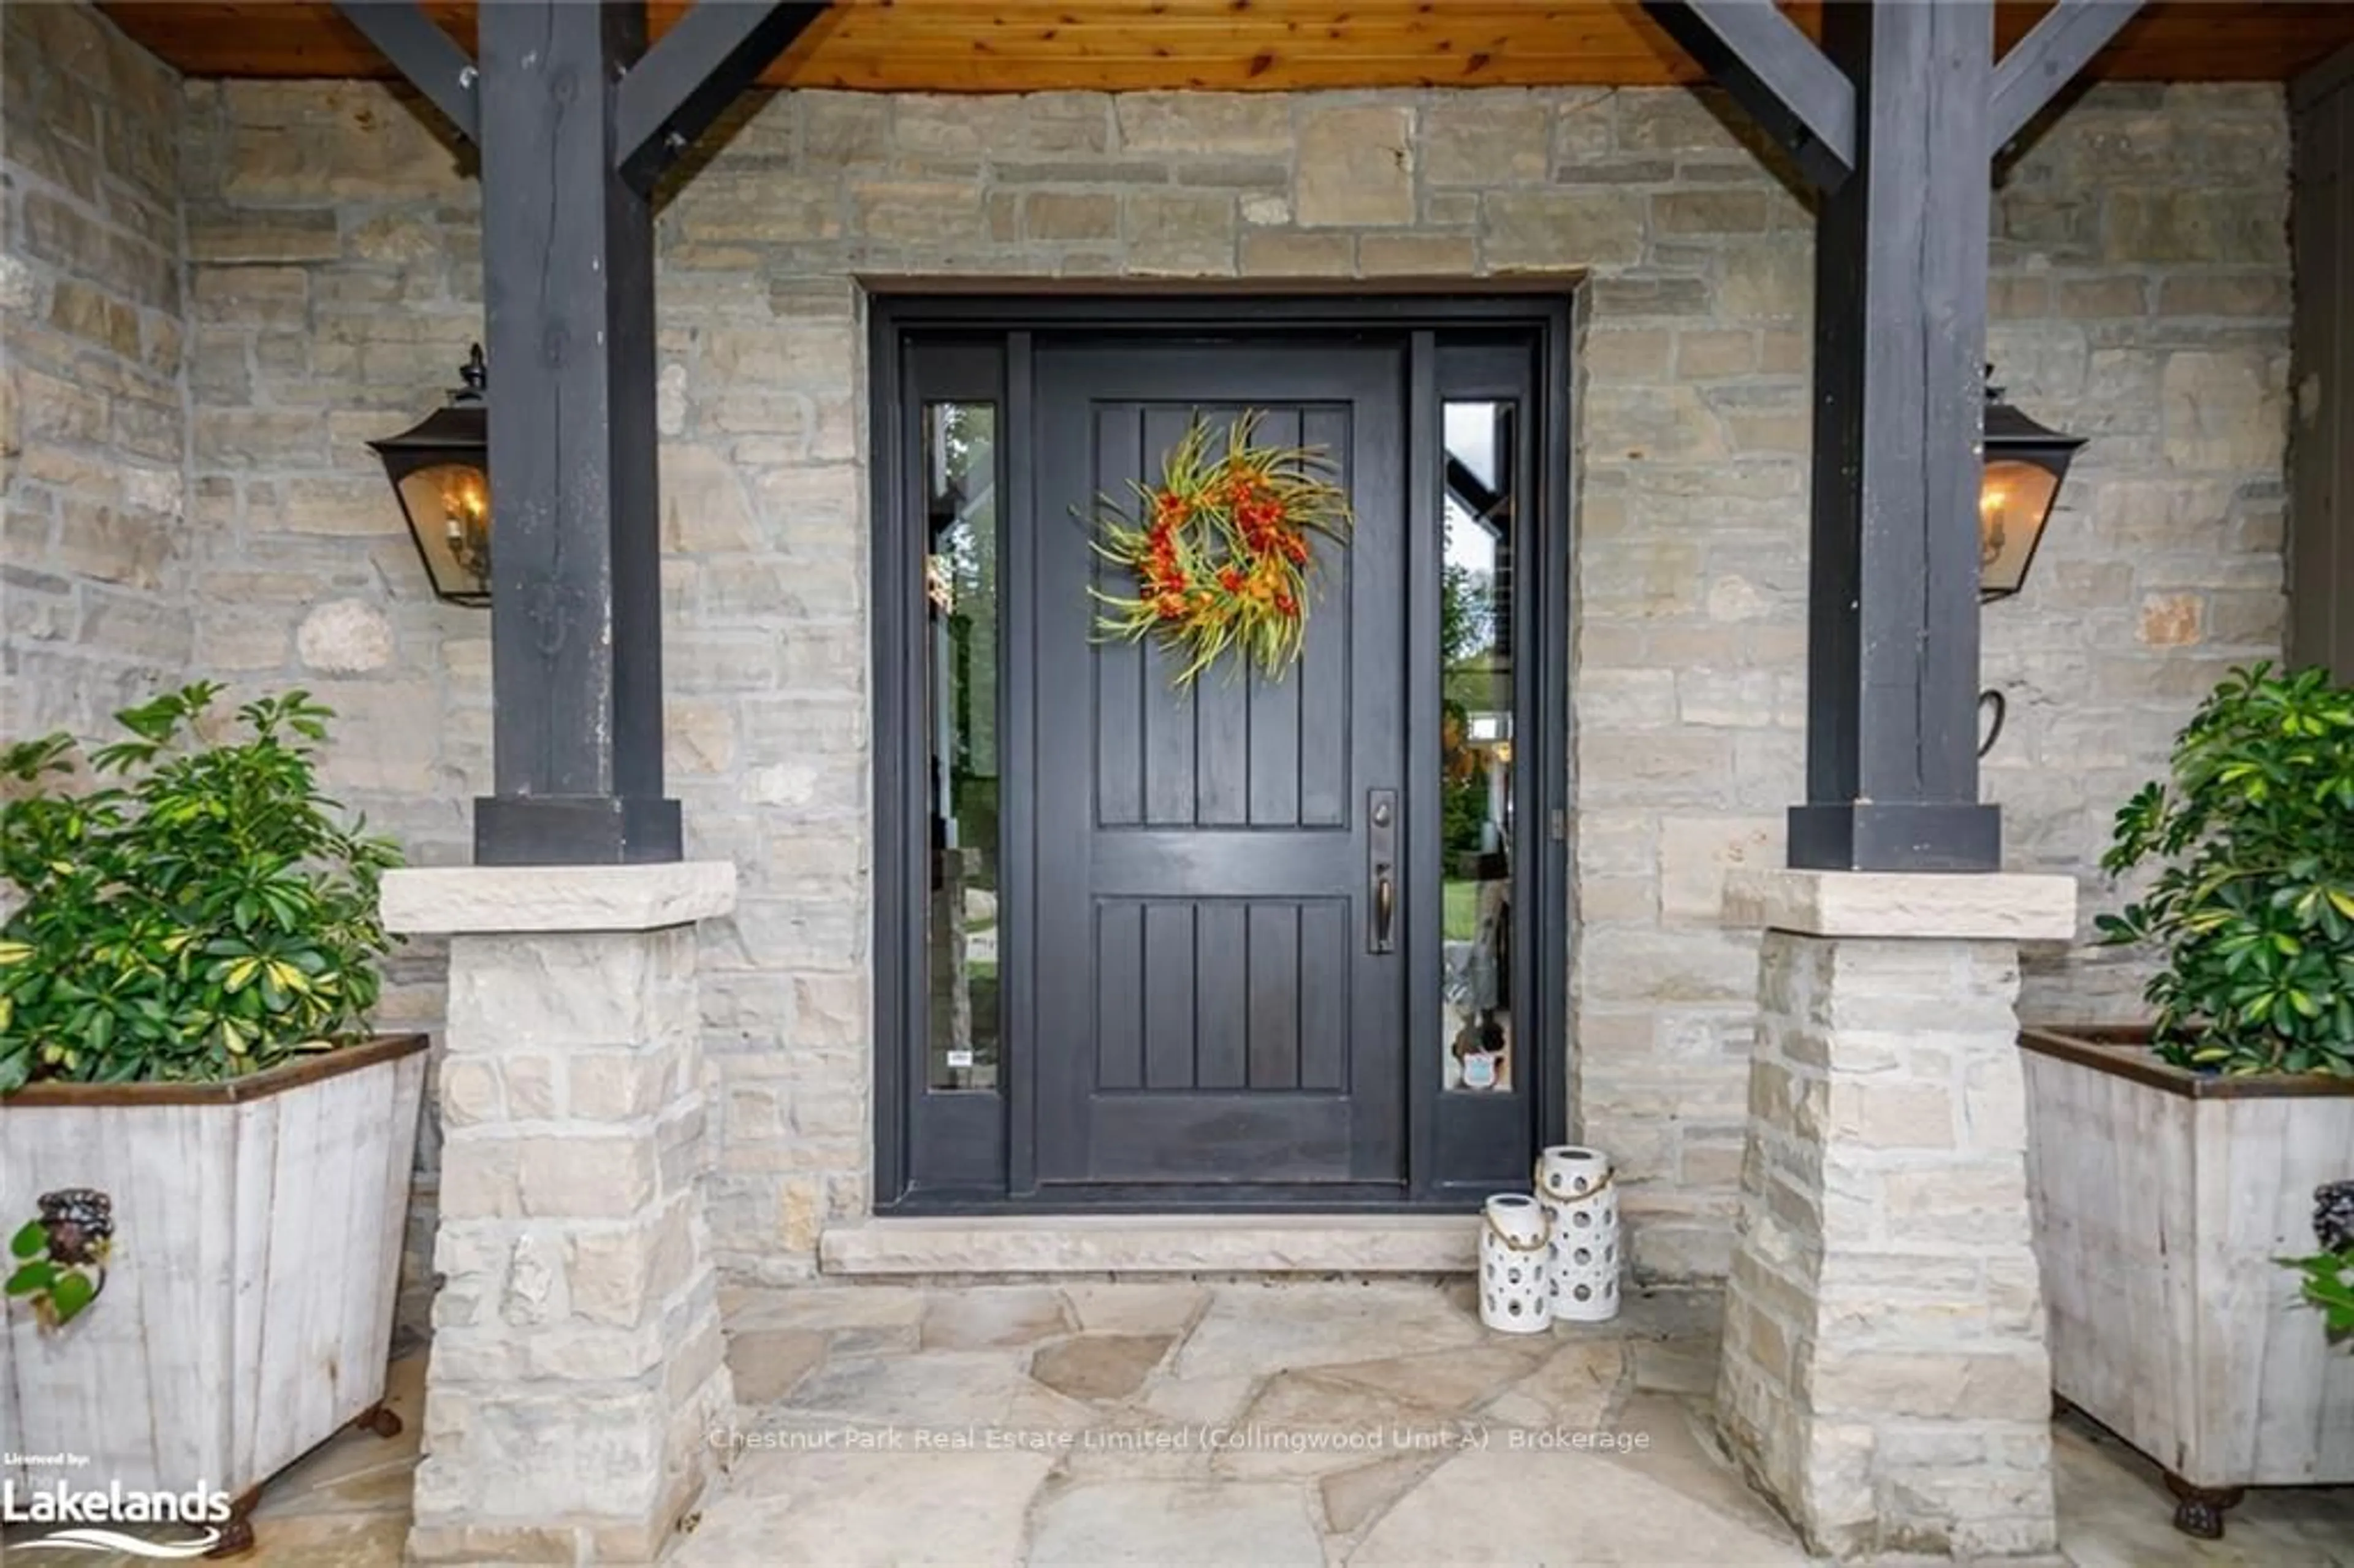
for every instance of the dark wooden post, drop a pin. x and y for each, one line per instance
(1895, 119)
(1900, 338)
(576, 655)
(576, 119)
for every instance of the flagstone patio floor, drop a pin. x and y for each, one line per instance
(1233, 1424)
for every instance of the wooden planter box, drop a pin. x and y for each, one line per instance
(2163, 1199)
(247, 1313)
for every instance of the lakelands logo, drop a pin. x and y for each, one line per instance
(80, 1517)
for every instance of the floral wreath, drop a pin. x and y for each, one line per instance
(1221, 558)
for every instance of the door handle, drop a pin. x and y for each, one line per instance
(1381, 855)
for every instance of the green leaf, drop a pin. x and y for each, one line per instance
(32, 1276)
(124, 961)
(73, 1291)
(30, 1241)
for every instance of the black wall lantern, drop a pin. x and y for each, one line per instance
(2024, 465)
(2017, 490)
(440, 470)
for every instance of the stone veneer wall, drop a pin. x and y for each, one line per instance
(2141, 298)
(93, 407)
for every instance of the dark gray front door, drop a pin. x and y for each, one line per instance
(1217, 999)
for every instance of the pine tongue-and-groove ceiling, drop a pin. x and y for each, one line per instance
(1030, 46)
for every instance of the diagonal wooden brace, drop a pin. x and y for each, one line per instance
(2041, 64)
(685, 81)
(1775, 73)
(422, 52)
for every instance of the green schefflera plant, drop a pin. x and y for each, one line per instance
(2330, 1273)
(2253, 903)
(58, 1262)
(191, 912)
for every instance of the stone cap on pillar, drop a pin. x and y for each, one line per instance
(1964, 905)
(439, 901)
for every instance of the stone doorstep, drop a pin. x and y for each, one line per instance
(1154, 1244)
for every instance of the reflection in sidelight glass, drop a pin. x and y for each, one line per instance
(961, 604)
(1475, 640)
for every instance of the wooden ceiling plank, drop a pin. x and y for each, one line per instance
(1043, 45)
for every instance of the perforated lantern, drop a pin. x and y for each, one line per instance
(440, 470)
(2024, 464)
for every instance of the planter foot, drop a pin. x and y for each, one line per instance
(379, 1419)
(2198, 1510)
(236, 1535)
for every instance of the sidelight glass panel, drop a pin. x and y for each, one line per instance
(1475, 639)
(961, 599)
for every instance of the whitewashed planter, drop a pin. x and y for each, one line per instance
(1575, 1187)
(1515, 1293)
(2163, 1199)
(246, 1314)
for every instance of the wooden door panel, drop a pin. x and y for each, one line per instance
(1226, 752)
(1210, 1007)
(1222, 993)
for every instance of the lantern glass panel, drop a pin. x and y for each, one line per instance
(2014, 500)
(449, 507)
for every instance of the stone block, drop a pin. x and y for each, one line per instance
(1205, 124)
(1674, 119)
(1070, 123)
(1283, 252)
(2225, 409)
(1695, 854)
(1894, 1116)
(1767, 281)
(2170, 620)
(620, 1276)
(1070, 215)
(1179, 232)
(469, 1092)
(345, 637)
(1485, 139)
(230, 234)
(1702, 355)
(96, 317)
(1711, 212)
(1355, 167)
(1944, 1380)
(1414, 256)
(1628, 354)
(585, 991)
(1561, 230)
(2195, 226)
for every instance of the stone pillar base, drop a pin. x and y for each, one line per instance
(1884, 1373)
(577, 1364)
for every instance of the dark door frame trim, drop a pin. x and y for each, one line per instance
(900, 853)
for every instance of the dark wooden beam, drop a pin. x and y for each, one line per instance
(2060, 45)
(711, 55)
(1775, 73)
(422, 52)
(1900, 330)
(569, 296)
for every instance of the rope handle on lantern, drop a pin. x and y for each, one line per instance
(1537, 1180)
(1488, 1217)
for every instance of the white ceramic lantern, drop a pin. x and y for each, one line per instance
(1515, 1294)
(1574, 1186)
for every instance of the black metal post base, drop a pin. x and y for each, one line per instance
(1872, 836)
(576, 830)
(2198, 1510)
